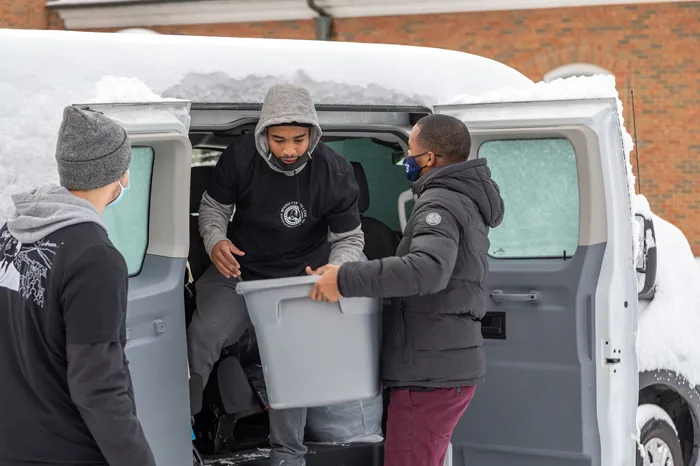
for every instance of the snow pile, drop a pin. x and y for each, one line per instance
(221, 87)
(31, 121)
(120, 89)
(646, 413)
(44, 71)
(577, 87)
(667, 332)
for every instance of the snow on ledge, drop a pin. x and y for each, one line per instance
(115, 89)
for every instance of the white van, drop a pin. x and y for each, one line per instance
(570, 264)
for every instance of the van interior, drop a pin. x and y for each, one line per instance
(232, 427)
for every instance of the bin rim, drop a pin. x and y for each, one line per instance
(251, 286)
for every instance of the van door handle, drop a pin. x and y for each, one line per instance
(532, 297)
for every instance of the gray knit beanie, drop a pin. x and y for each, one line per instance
(92, 150)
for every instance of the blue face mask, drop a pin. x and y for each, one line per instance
(124, 189)
(412, 168)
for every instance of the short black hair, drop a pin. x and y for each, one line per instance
(446, 136)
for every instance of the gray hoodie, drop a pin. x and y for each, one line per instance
(284, 103)
(48, 209)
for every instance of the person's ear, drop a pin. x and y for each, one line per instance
(431, 159)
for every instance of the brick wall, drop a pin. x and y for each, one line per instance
(651, 48)
(27, 14)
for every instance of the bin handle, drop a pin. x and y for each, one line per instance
(347, 305)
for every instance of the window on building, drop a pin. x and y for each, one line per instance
(539, 185)
(127, 222)
(575, 69)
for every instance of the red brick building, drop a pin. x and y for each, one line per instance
(652, 48)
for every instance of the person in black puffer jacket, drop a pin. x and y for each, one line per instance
(432, 356)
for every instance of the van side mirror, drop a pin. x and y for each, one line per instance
(648, 263)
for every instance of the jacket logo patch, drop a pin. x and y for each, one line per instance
(24, 267)
(433, 218)
(293, 214)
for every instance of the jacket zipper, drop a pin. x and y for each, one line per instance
(406, 347)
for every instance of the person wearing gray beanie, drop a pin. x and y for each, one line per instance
(62, 329)
(93, 151)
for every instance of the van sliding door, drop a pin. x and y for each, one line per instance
(561, 381)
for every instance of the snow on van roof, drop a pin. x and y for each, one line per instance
(43, 71)
(419, 74)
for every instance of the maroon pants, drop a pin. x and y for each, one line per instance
(420, 425)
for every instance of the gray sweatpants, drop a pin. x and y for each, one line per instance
(220, 320)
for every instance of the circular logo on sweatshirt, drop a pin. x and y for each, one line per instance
(293, 214)
(433, 218)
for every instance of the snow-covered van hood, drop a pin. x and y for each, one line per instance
(48, 209)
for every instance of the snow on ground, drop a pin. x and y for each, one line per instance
(668, 325)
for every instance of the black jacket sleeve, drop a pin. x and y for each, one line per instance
(94, 300)
(425, 269)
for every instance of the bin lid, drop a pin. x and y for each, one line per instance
(244, 287)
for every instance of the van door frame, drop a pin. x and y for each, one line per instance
(156, 340)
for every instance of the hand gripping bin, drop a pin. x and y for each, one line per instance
(314, 353)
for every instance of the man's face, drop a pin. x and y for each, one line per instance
(414, 146)
(424, 158)
(288, 143)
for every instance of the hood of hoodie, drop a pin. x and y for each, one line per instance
(286, 103)
(473, 179)
(47, 209)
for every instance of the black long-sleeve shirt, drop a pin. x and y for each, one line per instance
(65, 391)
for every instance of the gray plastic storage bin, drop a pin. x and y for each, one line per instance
(314, 353)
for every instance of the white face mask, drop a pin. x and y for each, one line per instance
(123, 189)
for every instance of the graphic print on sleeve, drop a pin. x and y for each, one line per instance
(24, 267)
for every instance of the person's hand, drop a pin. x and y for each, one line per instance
(320, 270)
(223, 257)
(326, 288)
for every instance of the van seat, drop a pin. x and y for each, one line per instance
(198, 259)
(380, 240)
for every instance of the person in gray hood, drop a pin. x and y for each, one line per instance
(280, 200)
(432, 356)
(66, 395)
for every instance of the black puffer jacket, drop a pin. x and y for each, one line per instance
(432, 335)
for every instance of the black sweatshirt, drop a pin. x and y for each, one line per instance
(66, 396)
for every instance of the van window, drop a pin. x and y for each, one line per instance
(385, 179)
(539, 184)
(127, 222)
